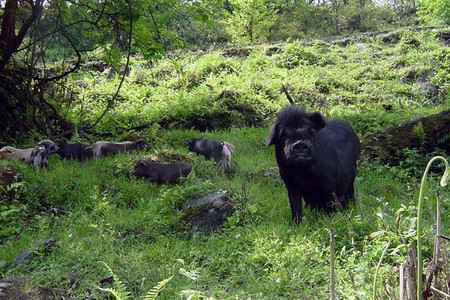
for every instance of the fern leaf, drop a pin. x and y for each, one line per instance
(120, 291)
(117, 293)
(154, 292)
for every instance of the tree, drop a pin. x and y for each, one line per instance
(250, 20)
(35, 33)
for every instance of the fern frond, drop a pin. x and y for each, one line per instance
(117, 293)
(154, 292)
(120, 291)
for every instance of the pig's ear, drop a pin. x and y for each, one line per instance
(143, 163)
(272, 139)
(318, 120)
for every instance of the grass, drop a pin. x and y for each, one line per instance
(134, 228)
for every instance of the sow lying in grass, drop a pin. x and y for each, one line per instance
(161, 172)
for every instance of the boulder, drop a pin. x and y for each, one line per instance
(207, 214)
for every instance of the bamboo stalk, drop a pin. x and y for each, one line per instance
(332, 277)
(402, 280)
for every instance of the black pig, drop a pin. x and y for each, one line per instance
(71, 151)
(218, 150)
(160, 172)
(316, 157)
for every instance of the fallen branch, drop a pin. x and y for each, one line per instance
(288, 95)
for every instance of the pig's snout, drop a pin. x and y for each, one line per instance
(301, 149)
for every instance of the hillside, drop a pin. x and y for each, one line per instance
(97, 213)
(374, 81)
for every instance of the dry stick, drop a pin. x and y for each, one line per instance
(402, 280)
(411, 267)
(352, 280)
(440, 292)
(288, 96)
(360, 208)
(332, 278)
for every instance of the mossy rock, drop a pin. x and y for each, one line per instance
(207, 214)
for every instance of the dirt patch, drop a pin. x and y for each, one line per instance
(18, 289)
(8, 176)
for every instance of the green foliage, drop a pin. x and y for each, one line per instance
(251, 20)
(419, 132)
(435, 12)
(120, 291)
(363, 82)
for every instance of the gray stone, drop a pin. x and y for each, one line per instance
(360, 47)
(29, 254)
(4, 284)
(215, 197)
(209, 213)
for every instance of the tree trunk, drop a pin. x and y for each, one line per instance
(425, 133)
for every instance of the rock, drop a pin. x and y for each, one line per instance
(445, 38)
(273, 50)
(391, 38)
(360, 47)
(409, 75)
(427, 133)
(4, 284)
(271, 172)
(107, 280)
(429, 88)
(207, 214)
(237, 52)
(28, 254)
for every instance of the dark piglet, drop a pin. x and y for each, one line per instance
(49, 145)
(71, 151)
(218, 150)
(39, 157)
(160, 172)
(316, 157)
